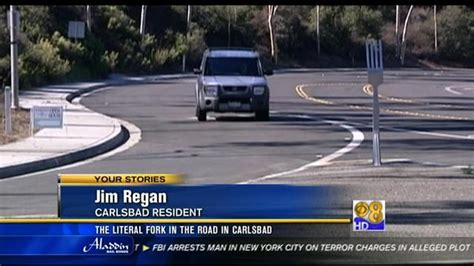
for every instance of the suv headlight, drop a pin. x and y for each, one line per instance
(210, 90)
(258, 90)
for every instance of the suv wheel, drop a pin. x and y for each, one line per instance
(201, 115)
(262, 115)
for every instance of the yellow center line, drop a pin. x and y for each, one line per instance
(368, 90)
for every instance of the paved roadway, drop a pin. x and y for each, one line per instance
(426, 115)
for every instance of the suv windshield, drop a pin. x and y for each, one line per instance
(232, 66)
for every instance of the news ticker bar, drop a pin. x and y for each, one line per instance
(180, 221)
(120, 179)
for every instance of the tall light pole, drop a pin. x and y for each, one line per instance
(143, 20)
(14, 19)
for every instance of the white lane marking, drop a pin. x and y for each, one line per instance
(357, 138)
(436, 134)
(195, 118)
(414, 131)
(452, 89)
(135, 137)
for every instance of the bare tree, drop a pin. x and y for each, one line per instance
(272, 9)
(435, 21)
(404, 40)
(317, 30)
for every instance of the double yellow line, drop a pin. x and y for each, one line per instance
(302, 94)
(368, 89)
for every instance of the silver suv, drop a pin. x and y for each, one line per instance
(232, 80)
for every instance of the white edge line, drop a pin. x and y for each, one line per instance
(451, 90)
(357, 138)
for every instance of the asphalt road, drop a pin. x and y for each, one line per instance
(426, 118)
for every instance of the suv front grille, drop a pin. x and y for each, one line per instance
(234, 89)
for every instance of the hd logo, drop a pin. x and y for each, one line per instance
(368, 215)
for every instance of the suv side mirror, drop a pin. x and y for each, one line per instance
(268, 72)
(197, 71)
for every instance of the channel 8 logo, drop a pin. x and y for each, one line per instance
(368, 215)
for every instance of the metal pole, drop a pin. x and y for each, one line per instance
(14, 58)
(397, 32)
(88, 17)
(143, 20)
(8, 116)
(376, 128)
(228, 27)
(188, 26)
(317, 30)
(404, 42)
(32, 121)
(435, 30)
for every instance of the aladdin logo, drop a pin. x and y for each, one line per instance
(108, 248)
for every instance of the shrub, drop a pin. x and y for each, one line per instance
(110, 59)
(456, 33)
(72, 51)
(41, 63)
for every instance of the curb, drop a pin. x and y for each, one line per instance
(21, 169)
(120, 138)
(75, 156)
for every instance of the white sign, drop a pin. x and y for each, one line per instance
(47, 116)
(16, 18)
(76, 29)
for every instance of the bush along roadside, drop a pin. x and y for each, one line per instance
(113, 43)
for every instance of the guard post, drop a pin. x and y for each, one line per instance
(375, 78)
(8, 115)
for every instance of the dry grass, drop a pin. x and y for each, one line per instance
(20, 124)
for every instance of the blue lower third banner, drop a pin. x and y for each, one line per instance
(206, 201)
(61, 243)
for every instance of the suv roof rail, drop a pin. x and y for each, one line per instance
(231, 48)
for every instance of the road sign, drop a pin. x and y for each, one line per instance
(76, 29)
(16, 18)
(47, 117)
(374, 57)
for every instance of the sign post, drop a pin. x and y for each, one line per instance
(8, 115)
(13, 25)
(375, 78)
